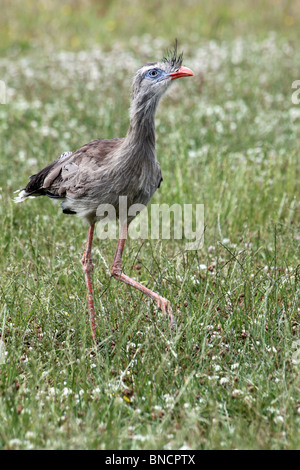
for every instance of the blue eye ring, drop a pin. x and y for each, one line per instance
(153, 73)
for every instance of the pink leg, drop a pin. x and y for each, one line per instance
(88, 269)
(116, 272)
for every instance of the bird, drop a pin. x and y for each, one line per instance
(103, 170)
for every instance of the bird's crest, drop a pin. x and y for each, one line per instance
(173, 58)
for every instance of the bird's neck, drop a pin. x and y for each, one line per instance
(141, 132)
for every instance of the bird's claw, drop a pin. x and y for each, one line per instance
(165, 306)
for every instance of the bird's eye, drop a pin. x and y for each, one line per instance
(153, 73)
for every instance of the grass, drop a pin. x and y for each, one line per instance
(228, 377)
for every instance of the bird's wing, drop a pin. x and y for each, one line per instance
(65, 173)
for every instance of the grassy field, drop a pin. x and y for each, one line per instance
(228, 377)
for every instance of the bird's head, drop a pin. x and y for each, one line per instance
(152, 80)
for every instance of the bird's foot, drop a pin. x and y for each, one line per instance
(165, 306)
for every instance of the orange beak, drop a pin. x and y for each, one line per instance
(182, 72)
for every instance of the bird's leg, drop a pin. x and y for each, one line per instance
(116, 271)
(88, 269)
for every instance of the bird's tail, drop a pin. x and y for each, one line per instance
(21, 196)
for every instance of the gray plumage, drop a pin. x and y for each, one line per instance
(103, 170)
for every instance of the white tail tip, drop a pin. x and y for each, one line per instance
(21, 197)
